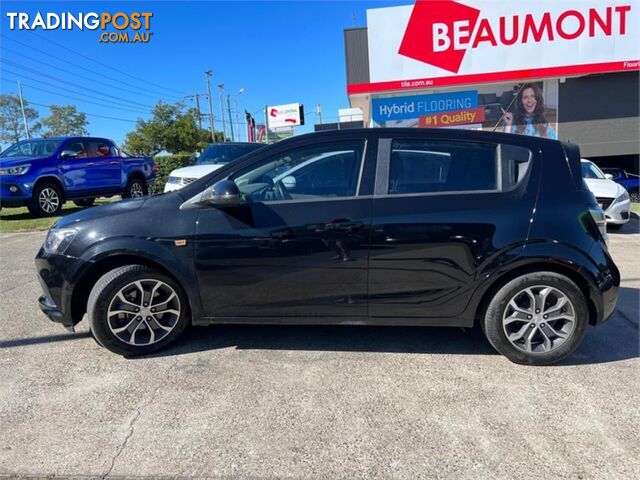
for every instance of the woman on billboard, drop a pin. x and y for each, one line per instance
(529, 117)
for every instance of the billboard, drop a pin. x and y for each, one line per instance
(401, 108)
(528, 108)
(439, 43)
(288, 115)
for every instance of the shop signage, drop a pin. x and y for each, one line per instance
(415, 106)
(438, 43)
(288, 115)
(448, 119)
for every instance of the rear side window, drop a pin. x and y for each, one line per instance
(432, 166)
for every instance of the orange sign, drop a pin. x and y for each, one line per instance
(456, 117)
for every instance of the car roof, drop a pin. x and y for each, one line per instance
(478, 135)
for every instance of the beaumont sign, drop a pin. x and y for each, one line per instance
(446, 42)
(402, 108)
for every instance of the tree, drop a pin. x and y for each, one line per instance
(11, 121)
(170, 129)
(65, 120)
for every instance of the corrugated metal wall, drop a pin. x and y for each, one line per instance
(600, 113)
(356, 51)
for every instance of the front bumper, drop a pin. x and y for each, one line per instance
(170, 187)
(55, 273)
(618, 213)
(15, 191)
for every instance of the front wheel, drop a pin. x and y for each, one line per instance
(537, 318)
(46, 200)
(136, 310)
(135, 188)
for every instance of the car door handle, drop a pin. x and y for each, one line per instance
(90, 164)
(344, 225)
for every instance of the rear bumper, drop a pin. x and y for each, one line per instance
(605, 283)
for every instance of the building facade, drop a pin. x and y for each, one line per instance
(566, 71)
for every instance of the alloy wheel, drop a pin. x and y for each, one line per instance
(136, 190)
(539, 319)
(48, 200)
(144, 312)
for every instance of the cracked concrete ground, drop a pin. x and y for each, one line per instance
(316, 402)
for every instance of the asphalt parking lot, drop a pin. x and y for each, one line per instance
(317, 402)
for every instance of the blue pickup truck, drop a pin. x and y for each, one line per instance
(43, 174)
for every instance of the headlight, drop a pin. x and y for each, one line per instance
(17, 170)
(175, 180)
(58, 239)
(624, 197)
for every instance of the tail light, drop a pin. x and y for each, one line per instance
(154, 169)
(598, 216)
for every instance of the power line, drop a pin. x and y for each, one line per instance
(91, 114)
(115, 103)
(40, 89)
(76, 74)
(106, 65)
(97, 92)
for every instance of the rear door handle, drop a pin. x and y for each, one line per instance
(344, 225)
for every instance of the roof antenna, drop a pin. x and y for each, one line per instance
(353, 19)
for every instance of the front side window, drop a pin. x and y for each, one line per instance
(432, 166)
(77, 149)
(308, 173)
(98, 148)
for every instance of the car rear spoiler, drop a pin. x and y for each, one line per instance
(572, 154)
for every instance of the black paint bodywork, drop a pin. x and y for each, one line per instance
(412, 259)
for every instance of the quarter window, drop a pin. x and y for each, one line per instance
(308, 173)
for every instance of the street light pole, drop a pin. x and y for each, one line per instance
(208, 75)
(224, 127)
(24, 117)
(235, 98)
(233, 137)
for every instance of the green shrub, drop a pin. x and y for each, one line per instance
(167, 163)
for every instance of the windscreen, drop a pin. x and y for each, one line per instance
(224, 153)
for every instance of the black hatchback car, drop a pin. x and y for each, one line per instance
(374, 226)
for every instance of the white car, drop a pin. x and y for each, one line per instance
(611, 196)
(214, 157)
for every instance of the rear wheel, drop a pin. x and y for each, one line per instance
(537, 319)
(85, 202)
(46, 200)
(135, 310)
(136, 187)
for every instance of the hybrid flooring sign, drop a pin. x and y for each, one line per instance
(416, 106)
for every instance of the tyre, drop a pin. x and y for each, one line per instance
(135, 188)
(46, 200)
(136, 310)
(537, 319)
(85, 202)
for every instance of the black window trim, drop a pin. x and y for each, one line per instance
(365, 151)
(381, 189)
(365, 140)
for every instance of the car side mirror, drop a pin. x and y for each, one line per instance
(608, 176)
(224, 193)
(289, 181)
(68, 154)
